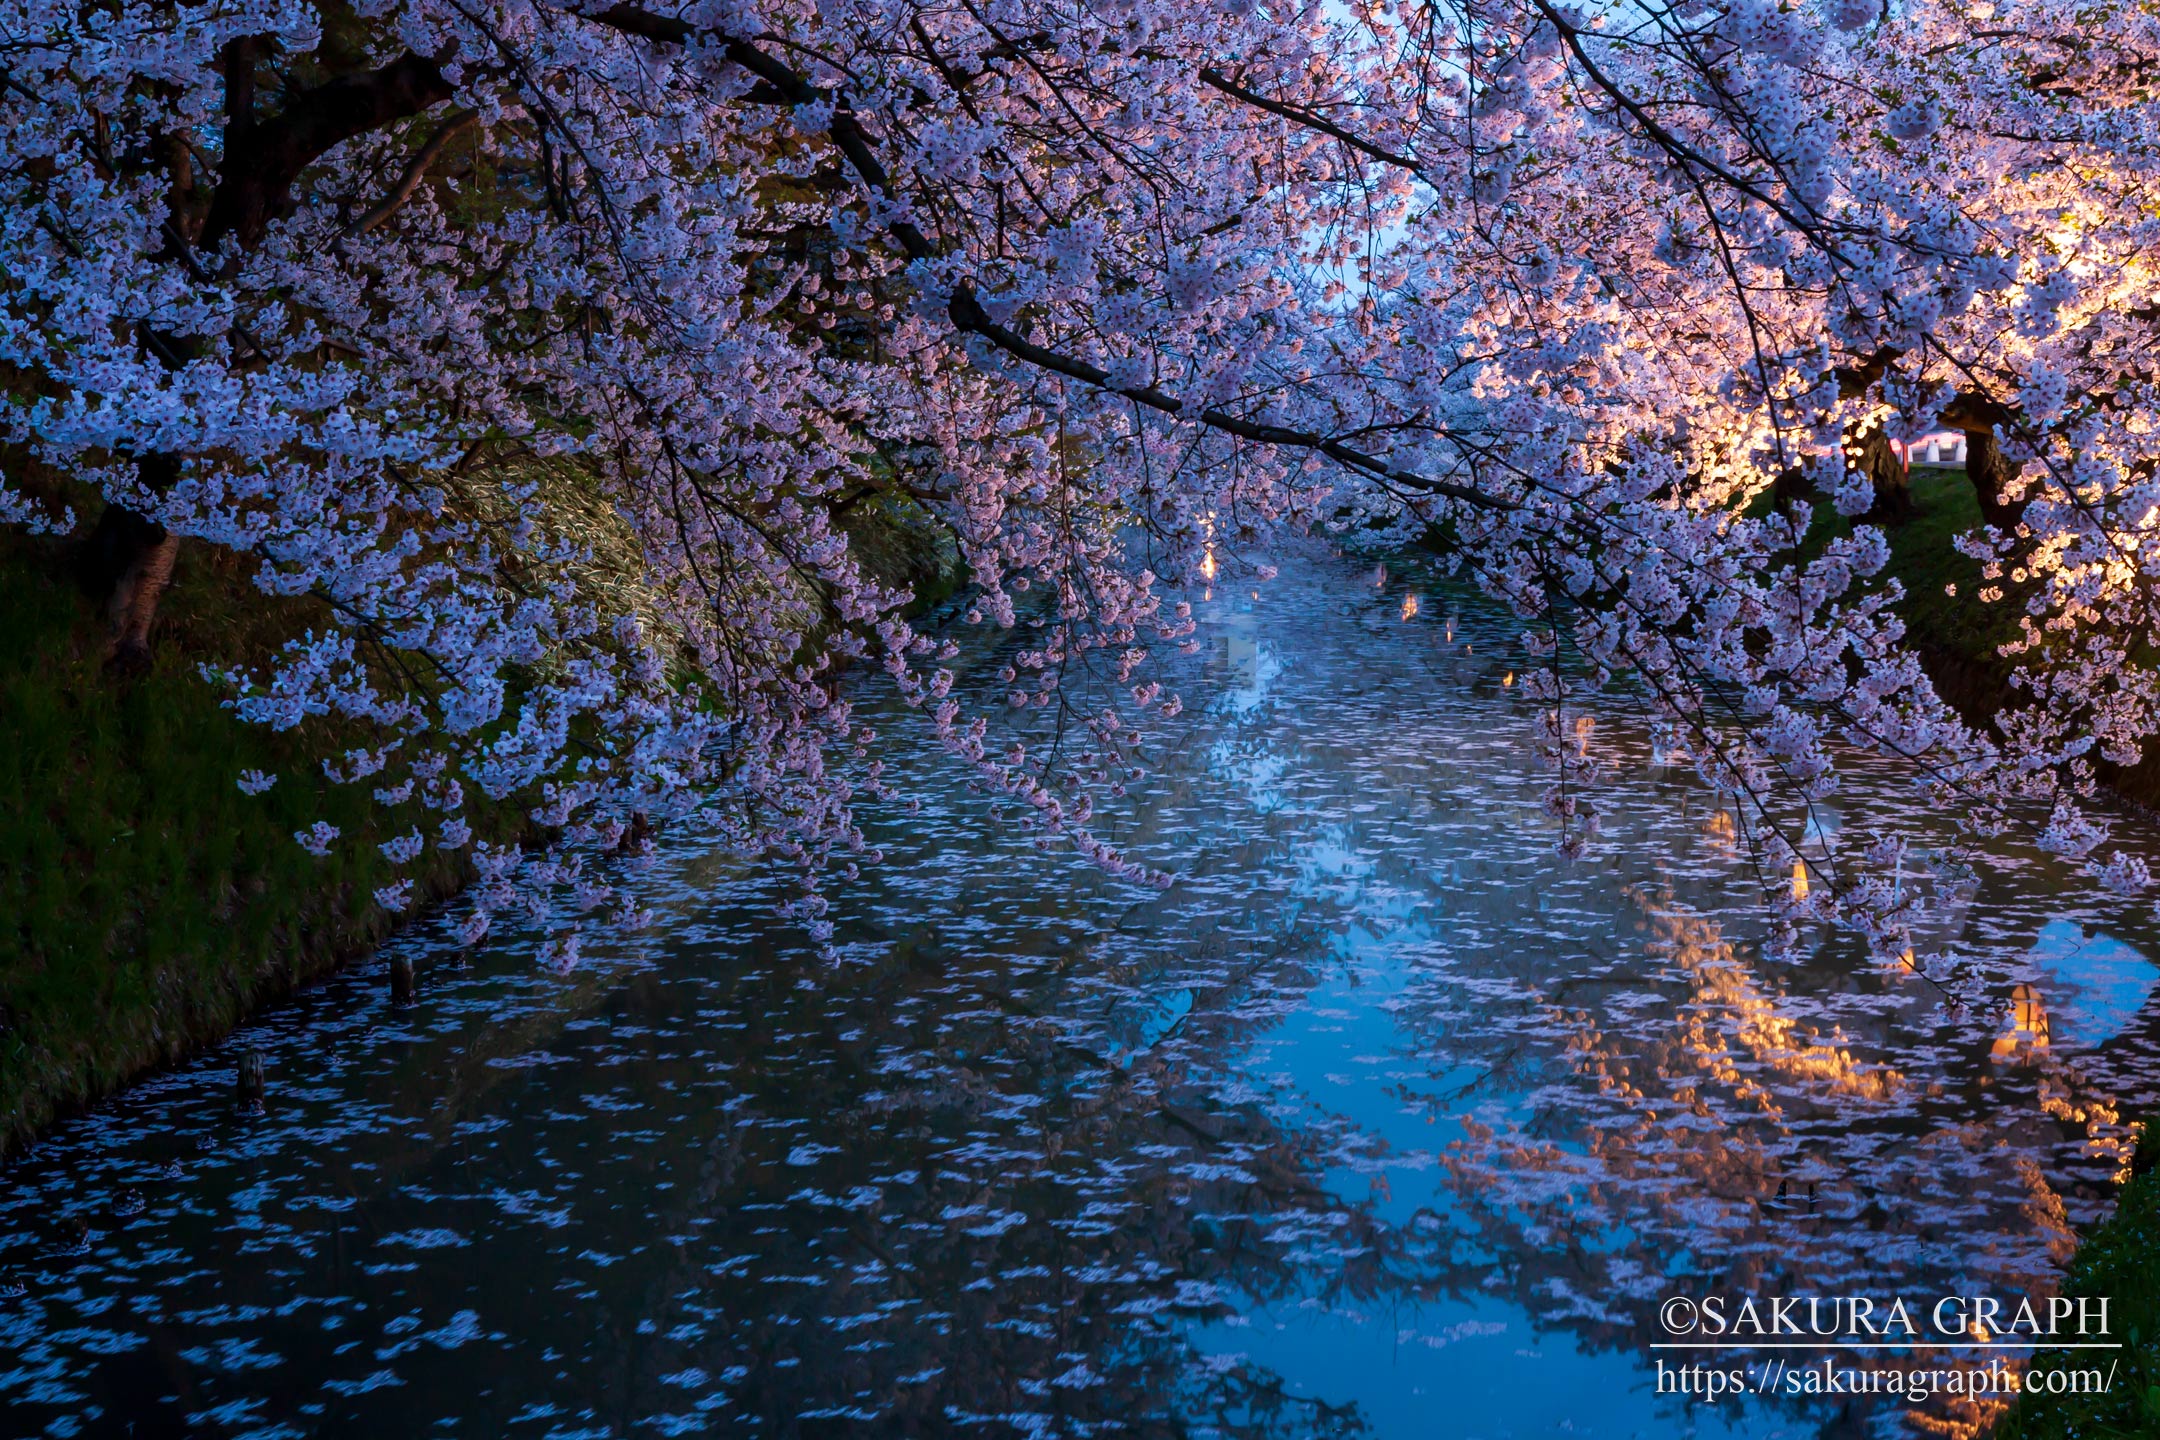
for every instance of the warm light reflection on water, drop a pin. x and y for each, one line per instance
(1384, 1113)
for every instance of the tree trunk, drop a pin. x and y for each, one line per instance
(134, 604)
(127, 562)
(1991, 476)
(1893, 482)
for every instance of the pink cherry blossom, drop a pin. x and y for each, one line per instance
(546, 347)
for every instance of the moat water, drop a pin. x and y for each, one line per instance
(1384, 1119)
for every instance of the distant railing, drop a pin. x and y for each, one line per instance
(1946, 447)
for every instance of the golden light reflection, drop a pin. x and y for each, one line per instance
(1728, 1091)
(1725, 985)
(2028, 1026)
(1799, 880)
(1409, 607)
(1507, 680)
(1207, 562)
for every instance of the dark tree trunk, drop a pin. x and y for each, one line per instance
(1975, 415)
(134, 604)
(1792, 487)
(112, 548)
(1991, 475)
(1893, 482)
(1893, 486)
(127, 562)
(264, 157)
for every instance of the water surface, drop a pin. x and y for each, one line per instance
(1384, 1120)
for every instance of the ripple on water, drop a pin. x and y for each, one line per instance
(1385, 1110)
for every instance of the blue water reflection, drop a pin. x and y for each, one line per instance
(1385, 1120)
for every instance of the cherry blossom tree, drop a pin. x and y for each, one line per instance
(547, 346)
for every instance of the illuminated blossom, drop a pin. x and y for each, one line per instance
(553, 350)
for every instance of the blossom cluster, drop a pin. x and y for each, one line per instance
(547, 350)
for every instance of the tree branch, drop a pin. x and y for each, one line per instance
(967, 313)
(1217, 80)
(415, 170)
(263, 158)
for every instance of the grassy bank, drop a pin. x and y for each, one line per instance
(1957, 637)
(1955, 634)
(2120, 1260)
(149, 904)
(1954, 631)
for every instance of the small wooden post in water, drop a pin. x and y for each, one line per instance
(251, 1079)
(402, 988)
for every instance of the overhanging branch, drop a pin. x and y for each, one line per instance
(786, 86)
(415, 171)
(264, 157)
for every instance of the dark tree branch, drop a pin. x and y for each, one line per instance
(967, 313)
(1303, 116)
(264, 157)
(415, 171)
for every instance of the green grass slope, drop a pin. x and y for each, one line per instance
(146, 904)
(2120, 1260)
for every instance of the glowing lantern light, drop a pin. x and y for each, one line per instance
(2028, 1025)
